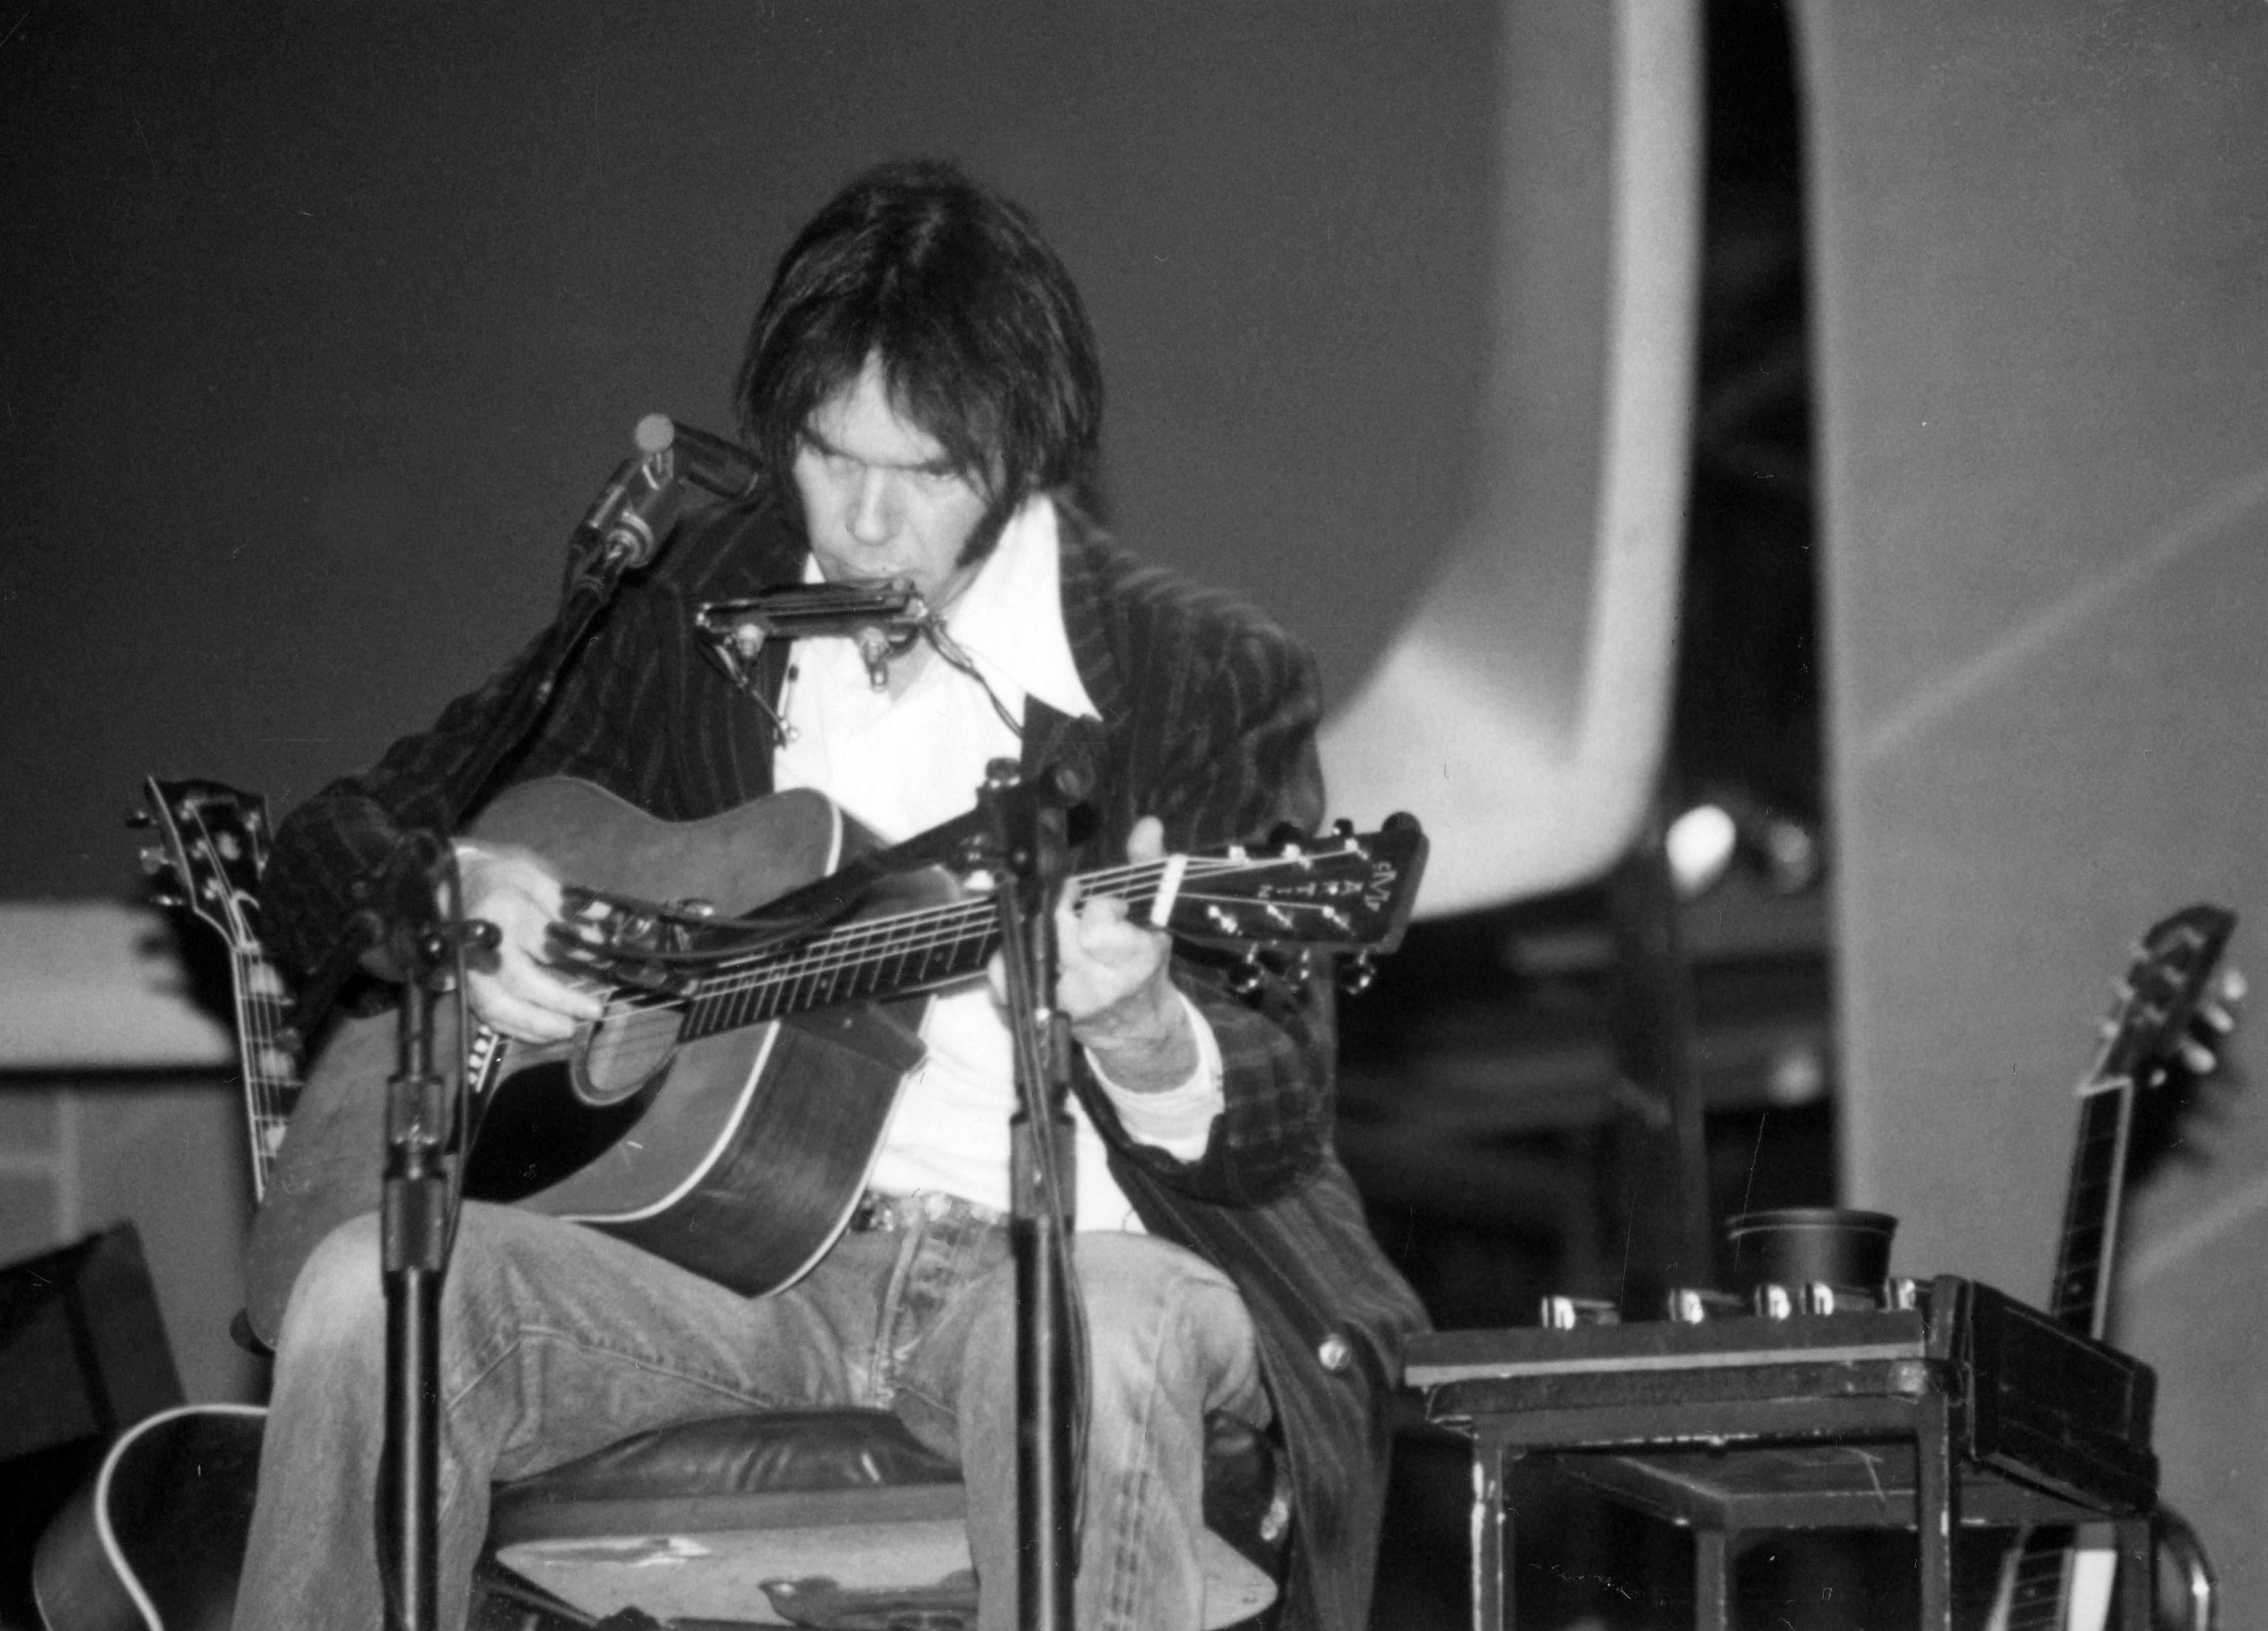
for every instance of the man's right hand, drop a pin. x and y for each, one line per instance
(520, 995)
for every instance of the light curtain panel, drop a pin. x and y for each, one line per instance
(2042, 344)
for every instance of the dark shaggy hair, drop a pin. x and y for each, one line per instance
(984, 341)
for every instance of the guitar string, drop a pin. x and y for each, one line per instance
(867, 945)
(857, 946)
(747, 994)
(851, 946)
(860, 944)
(899, 934)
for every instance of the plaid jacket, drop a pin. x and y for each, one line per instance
(1208, 719)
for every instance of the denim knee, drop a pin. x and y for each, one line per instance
(338, 1303)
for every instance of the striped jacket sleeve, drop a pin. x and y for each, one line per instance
(1210, 713)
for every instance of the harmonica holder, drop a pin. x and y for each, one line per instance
(883, 623)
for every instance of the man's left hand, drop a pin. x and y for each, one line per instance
(1112, 985)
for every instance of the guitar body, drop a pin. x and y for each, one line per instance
(737, 1155)
(155, 1541)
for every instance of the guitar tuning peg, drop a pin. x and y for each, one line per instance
(1287, 838)
(167, 899)
(1342, 828)
(153, 861)
(2215, 1017)
(2232, 984)
(2197, 1058)
(1356, 973)
(140, 819)
(1247, 976)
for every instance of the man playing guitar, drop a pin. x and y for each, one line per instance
(922, 396)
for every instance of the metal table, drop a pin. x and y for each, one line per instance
(1969, 1407)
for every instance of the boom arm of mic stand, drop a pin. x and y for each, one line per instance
(365, 930)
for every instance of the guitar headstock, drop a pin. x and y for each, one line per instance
(2176, 1005)
(1337, 892)
(215, 842)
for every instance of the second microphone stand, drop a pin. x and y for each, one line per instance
(1025, 836)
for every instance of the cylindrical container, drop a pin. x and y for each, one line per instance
(1800, 1246)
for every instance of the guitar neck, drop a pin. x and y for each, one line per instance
(2040, 1586)
(271, 1073)
(2089, 1243)
(894, 955)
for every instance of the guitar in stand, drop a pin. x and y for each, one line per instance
(2171, 1014)
(154, 1542)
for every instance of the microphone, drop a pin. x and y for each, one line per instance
(639, 504)
(642, 498)
(633, 515)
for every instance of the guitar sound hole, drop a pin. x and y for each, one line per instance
(624, 1052)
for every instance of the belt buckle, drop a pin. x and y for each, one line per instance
(873, 1214)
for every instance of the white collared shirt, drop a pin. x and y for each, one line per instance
(900, 766)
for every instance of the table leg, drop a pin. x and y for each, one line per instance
(2137, 1568)
(1491, 1538)
(1933, 1509)
(1712, 1580)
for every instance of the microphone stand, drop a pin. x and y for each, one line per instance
(417, 1216)
(1027, 852)
(399, 916)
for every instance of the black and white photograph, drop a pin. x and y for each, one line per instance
(1269, 815)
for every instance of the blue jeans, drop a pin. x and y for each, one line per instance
(558, 1340)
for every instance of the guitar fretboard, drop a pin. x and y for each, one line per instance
(2098, 1163)
(882, 957)
(271, 1072)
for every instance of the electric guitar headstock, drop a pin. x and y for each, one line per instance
(214, 842)
(2177, 1009)
(2177, 1003)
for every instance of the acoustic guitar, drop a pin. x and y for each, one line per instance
(727, 1120)
(2171, 1014)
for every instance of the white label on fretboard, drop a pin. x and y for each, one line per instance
(1169, 887)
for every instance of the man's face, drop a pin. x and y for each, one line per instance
(880, 499)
